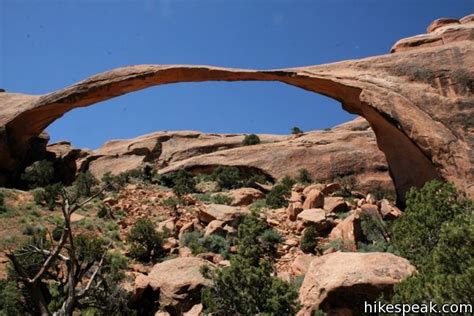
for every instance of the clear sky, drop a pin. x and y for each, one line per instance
(46, 45)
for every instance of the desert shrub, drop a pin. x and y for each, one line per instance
(258, 205)
(3, 208)
(256, 239)
(436, 233)
(11, 299)
(203, 197)
(296, 130)
(145, 241)
(309, 242)
(256, 178)
(287, 182)
(183, 183)
(251, 139)
(116, 182)
(278, 196)
(57, 232)
(233, 294)
(373, 229)
(84, 184)
(304, 176)
(221, 199)
(47, 195)
(39, 174)
(348, 184)
(199, 243)
(417, 232)
(227, 177)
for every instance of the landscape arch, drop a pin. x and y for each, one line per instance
(410, 112)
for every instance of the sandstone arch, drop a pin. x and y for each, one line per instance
(419, 102)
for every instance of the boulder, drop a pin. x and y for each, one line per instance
(244, 196)
(331, 188)
(335, 205)
(314, 216)
(347, 279)
(176, 283)
(215, 227)
(348, 230)
(388, 210)
(314, 199)
(300, 265)
(311, 187)
(211, 212)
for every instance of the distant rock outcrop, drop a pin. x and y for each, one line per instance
(417, 100)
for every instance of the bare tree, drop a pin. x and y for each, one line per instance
(79, 278)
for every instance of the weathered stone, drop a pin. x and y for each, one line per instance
(314, 199)
(347, 279)
(335, 205)
(211, 212)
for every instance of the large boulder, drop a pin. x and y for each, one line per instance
(314, 199)
(347, 279)
(176, 284)
(211, 212)
(244, 196)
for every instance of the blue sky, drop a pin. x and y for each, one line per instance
(46, 45)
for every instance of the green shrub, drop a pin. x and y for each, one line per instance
(199, 244)
(183, 183)
(227, 177)
(221, 199)
(436, 233)
(145, 241)
(11, 299)
(234, 289)
(57, 232)
(48, 195)
(256, 239)
(3, 208)
(39, 174)
(348, 184)
(251, 139)
(258, 205)
(278, 196)
(84, 184)
(309, 242)
(296, 131)
(287, 182)
(304, 177)
(417, 232)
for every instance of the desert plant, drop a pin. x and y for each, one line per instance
(233, 290)
(304, 176)
(145, 241)
(3, 208)
(199, 243)
(296, 131)
(227, 177)
(309, 241)
(278, 196)
(438, 226)
(348, 184)
(183, 183)
(86, 281)
(48, 195)
(221, 199)
(251, 139)
(39, 174)
(84, 184)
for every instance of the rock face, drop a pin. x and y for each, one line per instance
(176, 282)
(417, 100)
(345, 279)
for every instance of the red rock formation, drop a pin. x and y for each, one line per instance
(418, 102)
